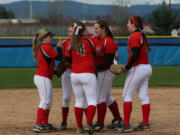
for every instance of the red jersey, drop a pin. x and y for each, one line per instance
(66, 44)
(102, 47)
(82, 58)
(43, 69)
(135, 40)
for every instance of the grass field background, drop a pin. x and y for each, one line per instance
(23, 77)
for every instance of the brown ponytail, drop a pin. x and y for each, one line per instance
(104, 24)
(139, 25)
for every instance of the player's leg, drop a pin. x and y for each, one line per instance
(67, 91)
(130, 86)
(79, 100)
(102, 92)
(144, 98)
(112, 104)
(89, 87)
(44, 86)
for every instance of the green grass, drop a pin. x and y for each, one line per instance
(23, 77)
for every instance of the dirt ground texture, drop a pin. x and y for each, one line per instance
(18, 112)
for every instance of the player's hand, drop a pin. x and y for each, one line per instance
(59, 43)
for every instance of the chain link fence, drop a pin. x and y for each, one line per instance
(30, 30)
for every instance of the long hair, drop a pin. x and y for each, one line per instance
(139, 25)
(104, 24)
(35, 46)
(78, 29)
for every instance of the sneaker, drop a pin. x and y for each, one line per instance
(98, 128)
(38, 128)
(50, 128)
(115, 123)
(142, 127)
(89, 129)
(123, 128)
(63, 126)
(80, 130)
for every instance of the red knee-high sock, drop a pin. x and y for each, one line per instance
(65, 111)
(145, 112)
(115, 110)
(127, 112)
(45, 118)
(79, 116)
(39, 116)
(101, 112)
(90, 114)
(85, 111)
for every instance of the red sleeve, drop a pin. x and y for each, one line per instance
(110, 45)
(49, 51)
(67, 51)
(135, 41)
(65, 43)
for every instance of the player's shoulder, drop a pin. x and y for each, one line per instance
(87, 38)
(136, 34)
(109, 40)
(66, 40)
(46, 46)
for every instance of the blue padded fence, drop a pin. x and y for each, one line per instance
(17, 52)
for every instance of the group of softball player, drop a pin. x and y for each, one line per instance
(89, 77)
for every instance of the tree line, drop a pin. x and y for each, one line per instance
(163, 18)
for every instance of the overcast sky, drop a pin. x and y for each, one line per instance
(133, 2)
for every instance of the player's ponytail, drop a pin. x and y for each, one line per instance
(35, 46)
(139, 25)
(104, 24)
(78, 29)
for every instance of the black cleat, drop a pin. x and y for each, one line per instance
(123, 128)
(80, 130)
(63, 126)
(89, 129)
(98, 128)
(50, 128)
(142, 127)
(38, 129)
(115, 123)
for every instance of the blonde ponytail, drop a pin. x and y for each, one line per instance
(35, 47)
(40, 35)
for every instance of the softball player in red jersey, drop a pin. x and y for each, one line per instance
(105, 48)
(45, 56)
(66, 85)
(83, 76)
(139, 73)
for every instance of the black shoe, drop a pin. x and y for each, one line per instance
(63, 126)
(123, 128)
(38, 128)
(89, 129)
(50, 128)
(142, 127)
(98, 128)
(115, 123)
(80, 130)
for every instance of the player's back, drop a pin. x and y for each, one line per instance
(82, 58)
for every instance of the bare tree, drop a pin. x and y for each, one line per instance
(120, 13)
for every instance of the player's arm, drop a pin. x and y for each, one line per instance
(134, 57)
(59, 46)
(69, 59)
(59, 55)
(108, 61)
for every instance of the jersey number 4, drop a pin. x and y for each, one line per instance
(81, 50)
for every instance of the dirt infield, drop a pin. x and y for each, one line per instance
(18, 112)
